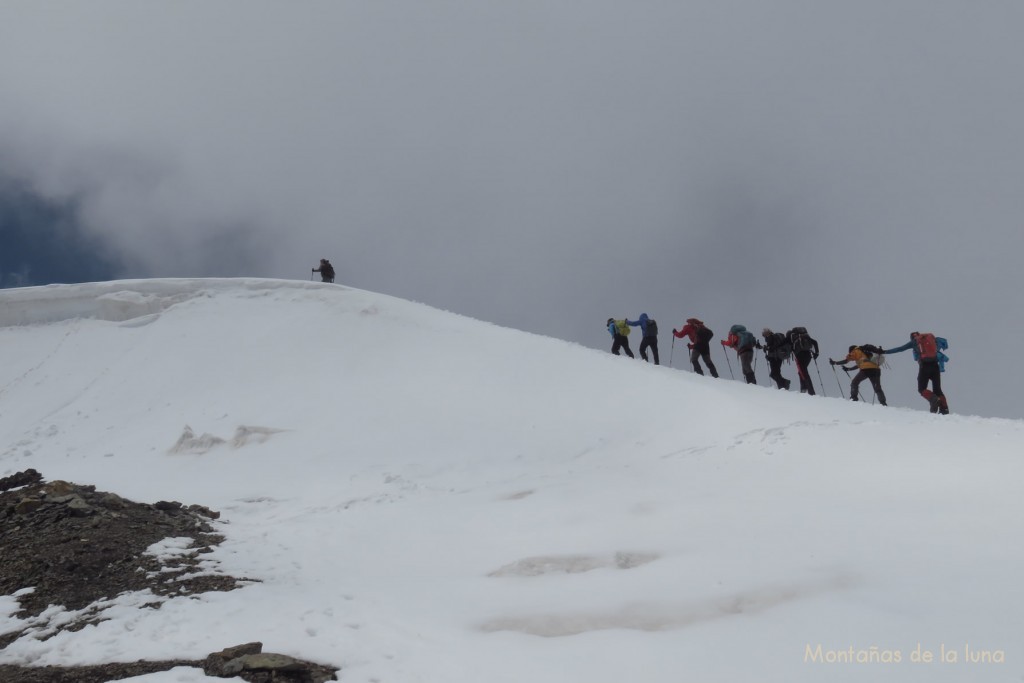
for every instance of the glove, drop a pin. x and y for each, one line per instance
(814, 356)
(831, 362)
(847, 370)
(673, 330)
(689, 346)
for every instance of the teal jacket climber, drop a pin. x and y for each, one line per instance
(940, 344)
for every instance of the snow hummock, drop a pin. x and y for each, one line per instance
(428, 497)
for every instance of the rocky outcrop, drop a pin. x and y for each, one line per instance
(25, 478)
(250, 663)
(75, 545)
(247, 662)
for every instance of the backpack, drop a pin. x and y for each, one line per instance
(622, 328)
(652, 328)
(745, 339)
(704, 334)
(873, 353)
(927, 347)
(800, 340)
(780, 346)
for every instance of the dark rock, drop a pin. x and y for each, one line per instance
(271, 667)
(27, 506)
(78, 507)
(264, 662)
(43, 548)
(214, 663)
(65, 541)
(56, 489)
(101, 673)
(250, 663)
(112, 501)
(204, 511)
(24, 478)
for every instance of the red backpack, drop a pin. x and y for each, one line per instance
(927, 348)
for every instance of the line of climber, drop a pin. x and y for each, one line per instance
(797, 344)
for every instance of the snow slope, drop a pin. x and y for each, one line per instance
(427, 497)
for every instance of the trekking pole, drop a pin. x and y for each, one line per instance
(672, 352)
(768, 381)
(819, 377)
(729, 362)
(838, 383)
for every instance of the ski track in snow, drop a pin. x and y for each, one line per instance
(769, 438)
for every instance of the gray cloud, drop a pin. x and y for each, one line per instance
(42, 242)
(548, 164)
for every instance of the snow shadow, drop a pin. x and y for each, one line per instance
(188, 442)
(663, 616)
(571, 564)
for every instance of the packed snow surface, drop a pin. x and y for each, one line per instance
(428, 497)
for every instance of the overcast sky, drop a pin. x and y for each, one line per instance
(857, 168)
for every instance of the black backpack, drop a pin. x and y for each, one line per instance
(652, 328)
(704, 334)
(781, 347)
(874, 354)
(800, 340)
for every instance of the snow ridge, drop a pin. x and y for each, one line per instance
(425, 496)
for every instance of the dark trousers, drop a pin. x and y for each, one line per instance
(875, 376)
(652, 344)
(803, 360)
(746, 357)
(621, 343)
(705, 355)
(929, 371)
(775, 366)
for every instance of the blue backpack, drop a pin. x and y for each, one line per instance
(746, 339)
